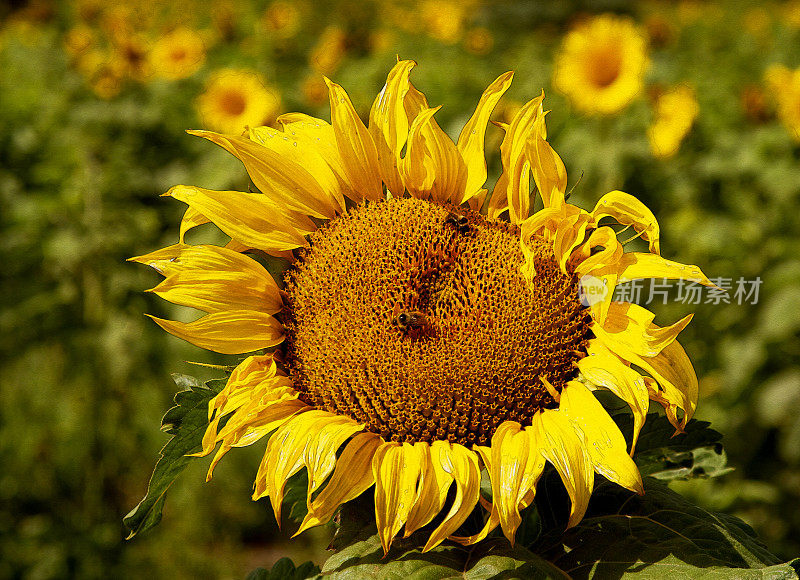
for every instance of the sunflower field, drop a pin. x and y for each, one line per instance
(563, 461)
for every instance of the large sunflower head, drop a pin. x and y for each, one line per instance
(420, 335)
(601, 65)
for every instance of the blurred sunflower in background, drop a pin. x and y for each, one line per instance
(675, 113)
(416, 331)
(178, 54)
(784, 86)
(236, 98)
(601, 64)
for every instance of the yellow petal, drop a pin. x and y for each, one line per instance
(432, 493)
(414, 102)
(313, 133)
(462, 464)
(251, 218)
(627, 210)
(515, 179)
(569, 234)
(388, 124)
(549, 172)
(280, 172)
(214, 279)
(590, 257)
(297, 149)
(493, 520)
(191, 219)
(676, 376)
(396, 468)
(351, 477)
(631, 327)
(284, 455)
(355, 145)
(604, 442)
(230, 332)
(242, 432)
(432, 166)
(562, 447)
(516, 468)
(319, 454)
(638, 265)
(471, 139)
(603, 369)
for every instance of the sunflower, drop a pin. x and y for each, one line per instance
(601, 65)
(417, 339)
(178, 55)
(784, 84)
(675, 112)
(236, 98)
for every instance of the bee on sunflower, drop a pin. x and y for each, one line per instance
(419, 336)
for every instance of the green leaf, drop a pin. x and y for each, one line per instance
(284, 569)
(658, 535)
(489, 559)
(186, 422)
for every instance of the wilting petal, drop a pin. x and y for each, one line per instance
(603, 369)
(627, 210)
(351, 477)
(432, 493)
(674, 372)
(569, 234)
(396, 468)
(631, 327)
(588, 259)
(251, 218)
(517, 465)
(355, 145)
(515, 179)
(638, 265)
(462, 464)
(319, 454)
(604, 442)
(279, 171)
(284, 455)
(566, 450)
(230, 332)
(471, 139)
(388, 124)
(432, 166)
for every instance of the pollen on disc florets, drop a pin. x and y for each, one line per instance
(413, 318)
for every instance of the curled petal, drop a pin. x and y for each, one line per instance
(396, 468)
(432, 492)
(627, 210)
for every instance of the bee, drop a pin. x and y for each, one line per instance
(411, 322)
(459, 222)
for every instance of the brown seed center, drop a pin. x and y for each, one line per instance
(413, 318)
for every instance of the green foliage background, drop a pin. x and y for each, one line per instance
(86, 377)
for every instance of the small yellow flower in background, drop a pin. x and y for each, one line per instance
(178, 55)
(132, 54)
(282, 19)
(479, 41)
(791, 13)
(382, 40)
(784, 85)
(601, 65)
(235, 99)
(329, 51)
(675, 112)
(417, 339)
(757, 22)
